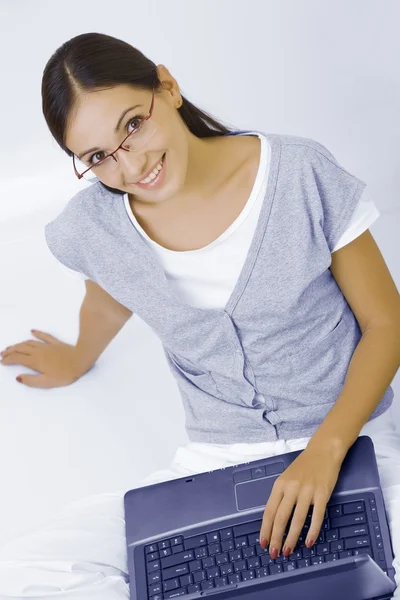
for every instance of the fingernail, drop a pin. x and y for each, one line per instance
(274, 553)
(286, 551)
(309, 543)
(264, 543)
(19, 379)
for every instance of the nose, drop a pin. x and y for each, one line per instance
(130, 164)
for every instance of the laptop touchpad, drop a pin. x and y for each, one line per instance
(254, 493)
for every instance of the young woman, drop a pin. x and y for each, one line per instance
(250, 257)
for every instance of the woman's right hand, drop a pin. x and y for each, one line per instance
(59, 364)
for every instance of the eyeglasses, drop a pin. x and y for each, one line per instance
(105, 167)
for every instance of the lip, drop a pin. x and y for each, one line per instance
(148, 172)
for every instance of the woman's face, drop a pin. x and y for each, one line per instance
(92, 125)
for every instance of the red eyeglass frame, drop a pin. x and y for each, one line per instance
(80, 175)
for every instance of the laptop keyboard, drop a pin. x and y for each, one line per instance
(182, 565)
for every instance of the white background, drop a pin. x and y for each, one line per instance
(322, 69)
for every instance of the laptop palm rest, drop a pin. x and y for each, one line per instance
(352, 578)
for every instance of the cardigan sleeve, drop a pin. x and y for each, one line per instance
(339, 192)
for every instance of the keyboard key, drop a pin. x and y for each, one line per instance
(175, 571)
(201, 552)
(274, 569)
(235, 555)
(220, 581)
(175, 593)
(354, 530)
(355, 519)
(317, 560)
(155, 589)
(353, 507)
(221, 559)
(165, 552)
(359, 551)
(193, 589)
(262, 572)
(171, 584)
(345, 553)
(290, 565)
(151, 548)
(195, 542)
(213, 573)
(227, 545)
(254, 538)
(153, 566)
(227, 533)
(332, 535)
(235, 578)
(331, 557)
(152, 556)
(176, 541)
(164, 544)
(254, 563)
(207, 585)
(195, 565)
(357, 542)
(335, 511)
(241, 541)
(248, 575)
(304, 562)
(226, 569)
(323, 548)
(199, 576)
(374, 513)
(248, 552)
(185, 580)
(240, 565)
(154, 577)
(212, 537)
(337, 546)
(208, 562)
(176, 549)
(214, 549)
(176, 559)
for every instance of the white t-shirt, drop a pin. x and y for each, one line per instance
(205, 278)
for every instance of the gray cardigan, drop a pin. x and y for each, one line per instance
(286, 333)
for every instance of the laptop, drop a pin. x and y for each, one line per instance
(198, 537)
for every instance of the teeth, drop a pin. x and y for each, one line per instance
(154, 173)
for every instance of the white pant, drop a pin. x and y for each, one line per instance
(81, 554)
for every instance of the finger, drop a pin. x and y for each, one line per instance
(320, 502)
(21, 347)
(280, 522)
(269, 514)
(14, 358)
(46, 337)
(297, 522)
(35, 381)
(21, 358)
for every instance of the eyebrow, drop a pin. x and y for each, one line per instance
(115, 130)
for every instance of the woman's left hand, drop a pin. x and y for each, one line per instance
(309, 479)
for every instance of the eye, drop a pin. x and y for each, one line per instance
(136, 125)
(136, 121)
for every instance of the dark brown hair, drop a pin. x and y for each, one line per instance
(96, 60)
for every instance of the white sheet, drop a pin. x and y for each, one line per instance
(81, 554)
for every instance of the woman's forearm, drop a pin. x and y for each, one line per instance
(372, 368)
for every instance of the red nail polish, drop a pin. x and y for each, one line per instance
(273, 553)
(309, 543)
(264, 543)
(286, 551)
